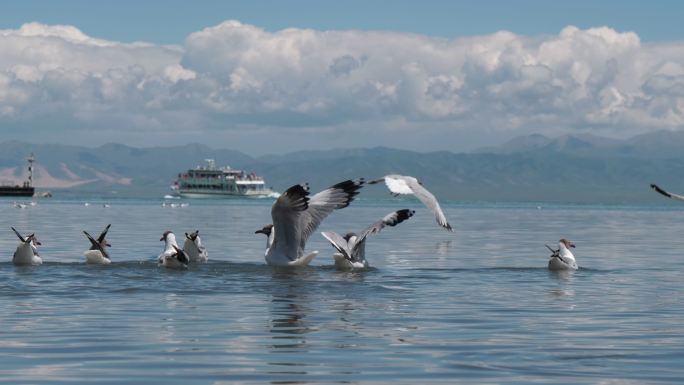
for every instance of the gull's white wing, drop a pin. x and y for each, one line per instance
(398, 184)
(428, 200)
(338, 242)
(667, 194)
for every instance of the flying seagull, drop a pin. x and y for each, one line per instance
(400, 184)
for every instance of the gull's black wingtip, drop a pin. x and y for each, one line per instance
(350, 184)
(350, 188)
(404, 214)
(661, 191)
(17, 234)
(298, 195)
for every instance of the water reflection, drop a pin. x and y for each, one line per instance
(563, 276)
(442, 248)
(562, 292)
(289, 309)
(288, 312)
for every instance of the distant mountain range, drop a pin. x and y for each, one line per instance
(534, 168)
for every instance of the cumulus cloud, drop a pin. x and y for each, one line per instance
(234, 76)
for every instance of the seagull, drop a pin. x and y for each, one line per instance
(400, 184)
(352, 248)
(193, 248)
(562, 259)
(97, 254)
(172, 256)
(667, 194)
(296, 216)
(27, 252)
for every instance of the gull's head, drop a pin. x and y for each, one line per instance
(349, 236)
(265, 230)
(168, 234)
(192, 236)
(33, 240)
(566, 243)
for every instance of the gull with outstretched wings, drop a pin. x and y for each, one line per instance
(351, 249)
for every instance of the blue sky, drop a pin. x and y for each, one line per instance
(170, 21)
(277, 76)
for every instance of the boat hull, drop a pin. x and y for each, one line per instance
(12, 191)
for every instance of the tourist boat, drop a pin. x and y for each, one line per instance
(212, 182)
(26, 189)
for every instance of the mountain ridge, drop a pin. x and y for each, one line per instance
(569, 168)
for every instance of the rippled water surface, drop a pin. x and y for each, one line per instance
(474, 306)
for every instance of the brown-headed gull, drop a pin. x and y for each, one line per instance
(562, 259)
(194, 249)
(172, 256)
(27, 251)
(97, 254)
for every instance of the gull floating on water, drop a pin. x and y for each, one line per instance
(400, 184)
(667, 194)
(172, 256)
(562, 259)
(97, 254)
(27, 252)
(193, 248)
(352, 248)
(296, 216)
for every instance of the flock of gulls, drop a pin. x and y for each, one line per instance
(295, 217)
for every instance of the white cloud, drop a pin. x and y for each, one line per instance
(240, 77)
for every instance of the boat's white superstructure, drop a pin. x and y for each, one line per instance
(213, 182)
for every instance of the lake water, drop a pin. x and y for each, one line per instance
(474, 306)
